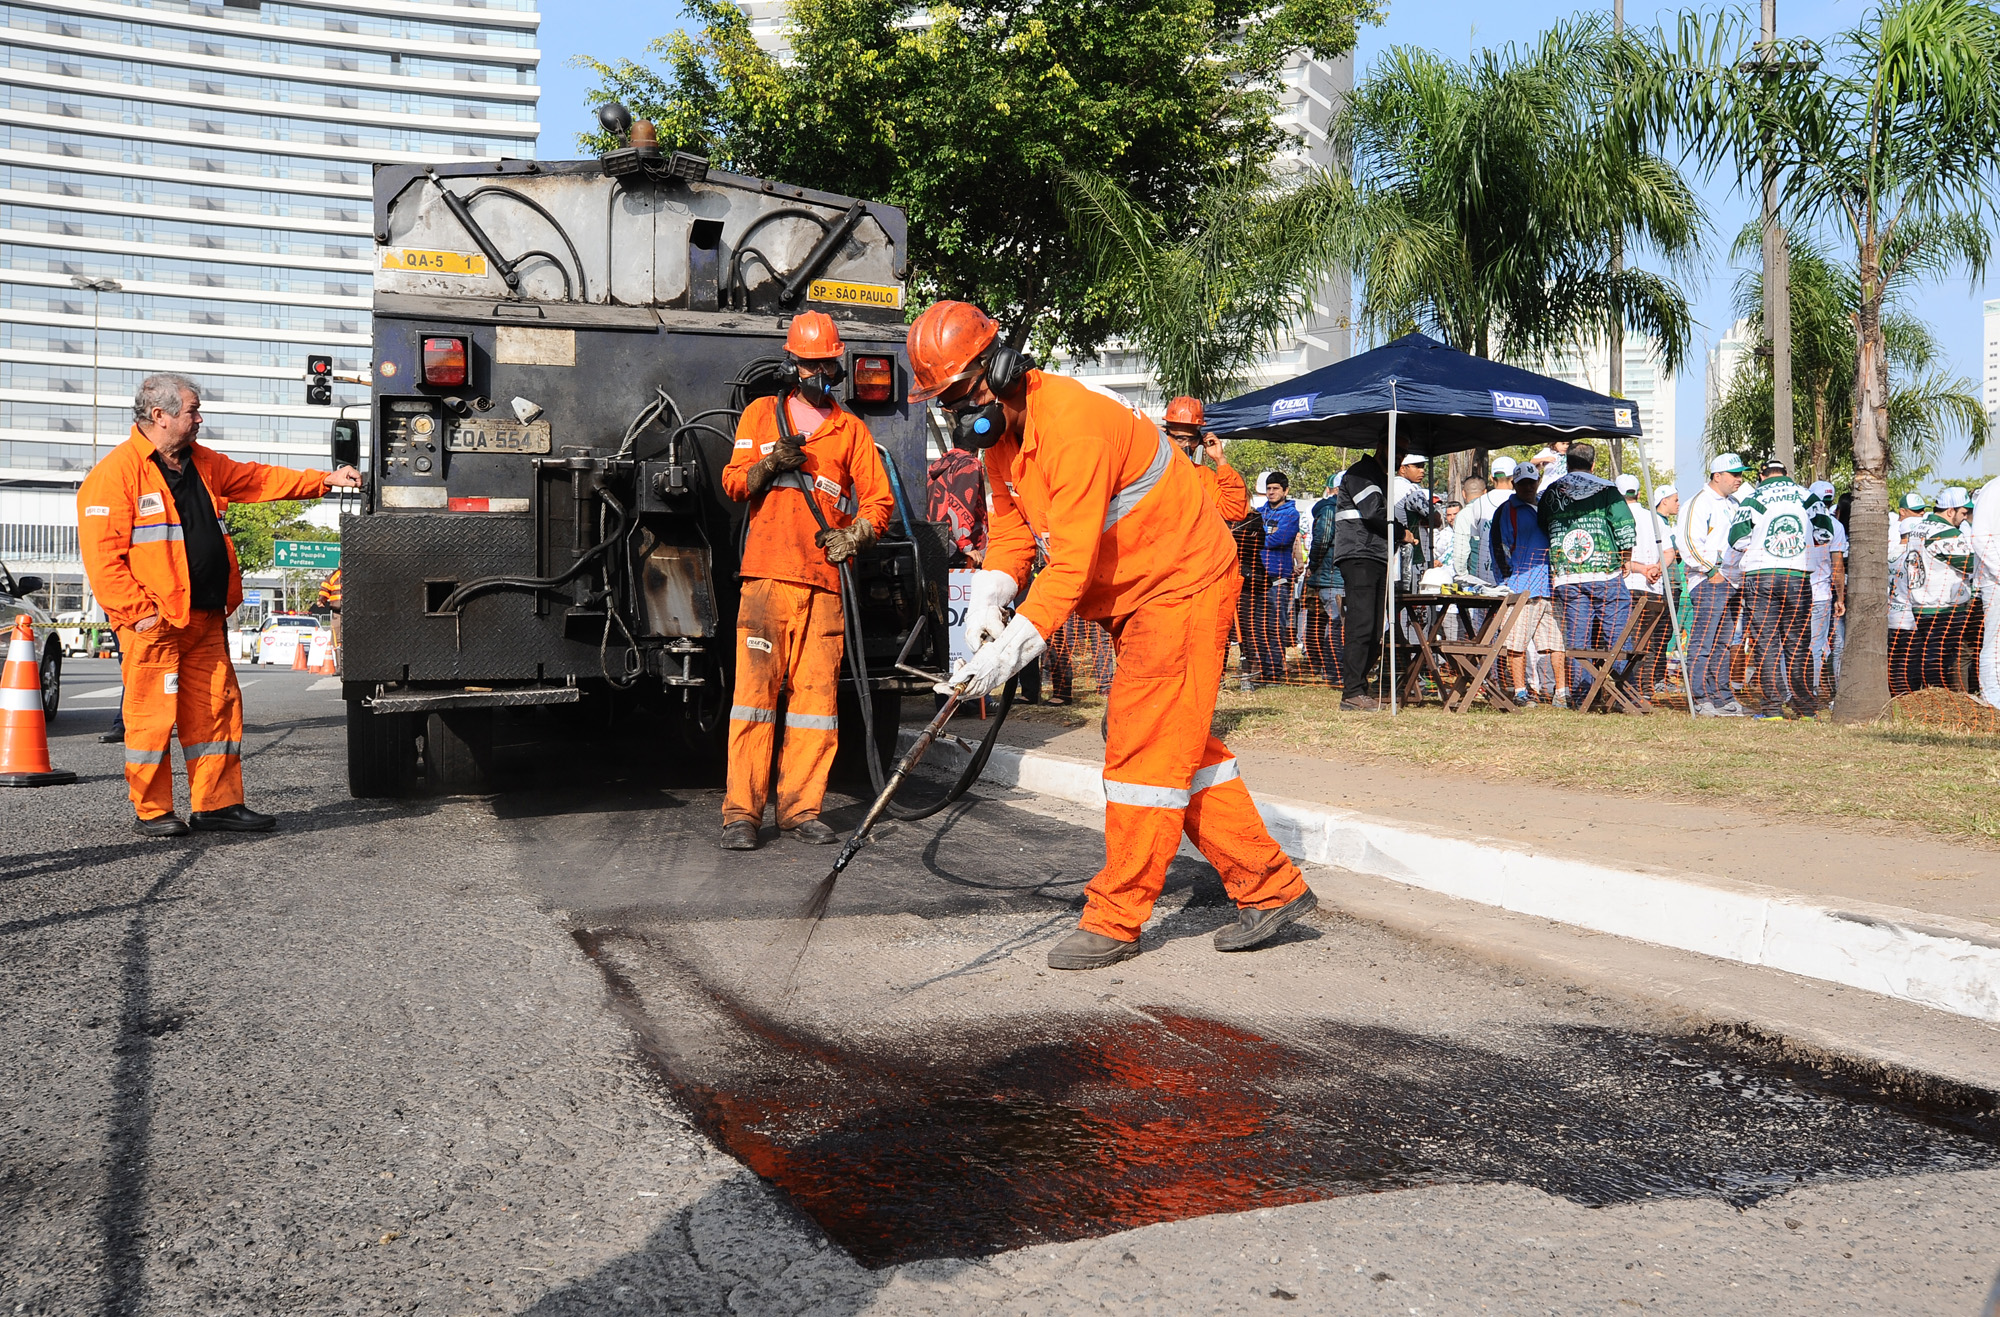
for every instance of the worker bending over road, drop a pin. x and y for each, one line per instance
(800, 445)
(1133, 543)
(1224, 485)
(159, 556)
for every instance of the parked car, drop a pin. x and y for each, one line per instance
(281, 634)
(14, 602)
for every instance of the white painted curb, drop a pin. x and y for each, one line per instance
(1933, 960)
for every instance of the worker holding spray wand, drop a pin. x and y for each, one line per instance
(1134, 543)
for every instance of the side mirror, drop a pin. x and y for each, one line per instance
(27, 585)
(347, 443)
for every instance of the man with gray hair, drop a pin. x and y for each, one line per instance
(150, 519)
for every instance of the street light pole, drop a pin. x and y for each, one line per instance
(96, 288)
(1777, 277)
(1615, 339)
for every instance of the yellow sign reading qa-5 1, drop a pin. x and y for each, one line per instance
(887, 296)
(417, 261)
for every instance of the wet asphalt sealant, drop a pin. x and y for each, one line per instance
(1052, 1128)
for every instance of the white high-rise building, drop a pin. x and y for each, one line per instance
(1648, 384)
(187, 185)
(1723, 361)
(1309, 95)
(1990, 395)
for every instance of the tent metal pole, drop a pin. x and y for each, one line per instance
(1666, 578)
(1389, 595)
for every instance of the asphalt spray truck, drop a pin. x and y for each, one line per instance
(560, 353)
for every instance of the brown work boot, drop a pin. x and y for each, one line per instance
(1360, 703)
(1084, 949)
(1253, 928)
(739, 836)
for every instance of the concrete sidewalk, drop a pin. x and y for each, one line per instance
(1911, 918)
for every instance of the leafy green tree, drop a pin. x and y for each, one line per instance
(971, 117)
(1889, 137)
(1927, 403)
(257, 526)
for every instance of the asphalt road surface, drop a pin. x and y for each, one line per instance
(549, 1051)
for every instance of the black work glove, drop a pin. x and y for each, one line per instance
(843, 542)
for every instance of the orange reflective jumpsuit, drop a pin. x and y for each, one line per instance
(1225, 485)
(1135, 543)
(788, 631)
(177, 674)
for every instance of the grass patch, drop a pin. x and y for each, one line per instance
(1894, 773)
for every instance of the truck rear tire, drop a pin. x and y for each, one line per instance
(458, 749)
(381, 753)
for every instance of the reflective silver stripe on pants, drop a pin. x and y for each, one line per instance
(144, 756)
(163, 531)
(1136, 793)
(743, 713)
(202, 748)
(1128, 498)
(818, 722)
(1213, 775)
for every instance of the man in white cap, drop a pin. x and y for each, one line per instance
(1943, 609)
(1985, 531)
(1652, 555)
(1472, 554)
(1704, 541)
(1910, 509)
(1412, 503)
(1829, 586)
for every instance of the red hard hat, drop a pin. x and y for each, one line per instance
(945, 342)
(1184, 411)
(814, 336)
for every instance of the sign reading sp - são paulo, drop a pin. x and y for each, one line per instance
(306, 555)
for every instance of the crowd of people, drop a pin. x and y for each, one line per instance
(1753, 564)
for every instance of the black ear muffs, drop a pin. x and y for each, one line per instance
(1006, 368)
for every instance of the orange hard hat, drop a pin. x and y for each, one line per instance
(1184, 411)
(945, 343)
(814, 337)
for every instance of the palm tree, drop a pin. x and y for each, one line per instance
(1494, 198)
(1205, 303)
(1892, 139)
(1926, 403)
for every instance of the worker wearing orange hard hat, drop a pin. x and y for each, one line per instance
(1223, 482)
(798, 446)
(1132, 543)
(149, 522)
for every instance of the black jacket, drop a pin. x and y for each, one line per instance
(1361, 528)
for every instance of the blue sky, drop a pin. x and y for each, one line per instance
(1453, 27)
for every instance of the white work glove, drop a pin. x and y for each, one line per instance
(990, 594)
(1018, 645)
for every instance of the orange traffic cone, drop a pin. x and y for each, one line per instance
(24, 737)
(300, 652)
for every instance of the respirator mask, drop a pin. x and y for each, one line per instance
(977, 424)
(817, 386)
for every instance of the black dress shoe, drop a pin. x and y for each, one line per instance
(112, 737)
(166, 825)
(235, 818)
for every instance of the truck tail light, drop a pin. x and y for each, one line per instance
(444, 361)
(874, 379)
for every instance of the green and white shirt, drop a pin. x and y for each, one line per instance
(1590, 529)
(1775, 528)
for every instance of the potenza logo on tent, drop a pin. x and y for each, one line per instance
(1292, 409)
(1520, 406)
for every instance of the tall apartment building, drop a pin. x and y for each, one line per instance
(1990, 393)
(1724, 359)
(1309, 93)
(187, 188)
(1648, 384)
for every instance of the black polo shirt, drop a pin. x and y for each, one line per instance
(201, 536)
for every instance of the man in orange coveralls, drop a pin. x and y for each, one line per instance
(1134, 543)
(164, 568)
(1224, 484)
(789, 630)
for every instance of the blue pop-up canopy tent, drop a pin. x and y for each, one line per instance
(1415, 395)
(1444, 401)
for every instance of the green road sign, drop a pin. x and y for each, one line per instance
(307, 555)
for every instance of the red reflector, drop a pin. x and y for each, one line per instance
(444, 361)
(874, 378)
(466, 505)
